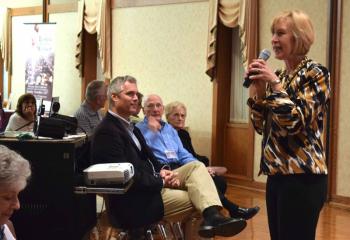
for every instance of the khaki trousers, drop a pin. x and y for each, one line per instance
(197, 190)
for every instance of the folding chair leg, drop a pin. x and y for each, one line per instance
(149, 235)
(177, 228)
(162, 231)
(122, 236)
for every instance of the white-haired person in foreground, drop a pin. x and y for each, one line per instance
(14, 173)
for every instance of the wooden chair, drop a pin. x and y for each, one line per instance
(180, 225)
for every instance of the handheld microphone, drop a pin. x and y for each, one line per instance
(41, 109)
(264, 55)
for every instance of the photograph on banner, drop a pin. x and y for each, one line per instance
(39, 63)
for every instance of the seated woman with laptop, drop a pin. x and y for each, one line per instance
(24, 117)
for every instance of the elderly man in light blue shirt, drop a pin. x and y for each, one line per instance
(166, 145)
(161, 137)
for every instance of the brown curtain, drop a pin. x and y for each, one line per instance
(6, 38)
(95, 17)
(231, 13)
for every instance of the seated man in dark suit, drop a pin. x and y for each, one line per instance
(156, 192)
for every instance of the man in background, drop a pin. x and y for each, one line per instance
(89, 114)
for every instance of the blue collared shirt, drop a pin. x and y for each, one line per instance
(165, 144)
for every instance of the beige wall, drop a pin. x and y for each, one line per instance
(343, 167)
(66, 83)
(18, 56)
(319, 16)
(17, 46)
(164, 47)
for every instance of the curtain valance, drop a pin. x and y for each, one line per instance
(95, 17)
(231, 13)
(6, 38)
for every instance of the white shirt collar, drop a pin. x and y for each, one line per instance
(125, 122)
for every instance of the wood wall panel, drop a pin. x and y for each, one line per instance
(62, 8)
(26, 11)
(334, 60)
(221, 96)
(1, 77)
(232, 144)
(235, 154)
(89, 60)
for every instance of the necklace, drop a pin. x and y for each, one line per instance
(287, 78)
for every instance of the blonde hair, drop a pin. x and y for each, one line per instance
(170, 107)
(301, 27)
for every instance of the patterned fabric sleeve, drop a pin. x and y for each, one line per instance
(292, 120)
(258, 107)
(298, 109)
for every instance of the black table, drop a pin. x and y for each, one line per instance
(49, 207)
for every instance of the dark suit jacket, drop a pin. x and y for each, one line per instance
(187, 143)
(142, 204)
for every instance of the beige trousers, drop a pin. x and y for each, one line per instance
(197, 190)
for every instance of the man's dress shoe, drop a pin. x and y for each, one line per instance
(245, 213)
(218, 225)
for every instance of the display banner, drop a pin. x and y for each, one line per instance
(39, 60)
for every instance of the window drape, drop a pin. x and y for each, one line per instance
(231, 13)
(6, 38)
(95, 17)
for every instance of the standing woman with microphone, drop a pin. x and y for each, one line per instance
(24, 117)
(288, 109)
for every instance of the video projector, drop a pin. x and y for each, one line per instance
(109, 174)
